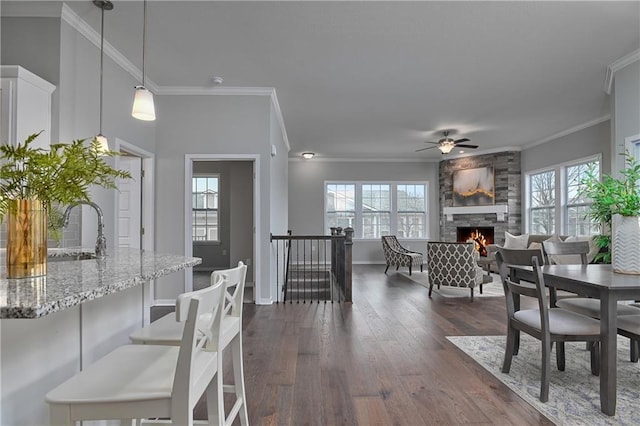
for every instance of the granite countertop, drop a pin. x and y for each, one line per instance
(72, 282)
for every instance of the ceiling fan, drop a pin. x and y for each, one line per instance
(446, 144)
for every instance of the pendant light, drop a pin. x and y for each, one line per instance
(143, 108)
(103, 5)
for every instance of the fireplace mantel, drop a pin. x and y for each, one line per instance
(498, 209)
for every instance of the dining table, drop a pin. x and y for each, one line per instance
(601, 282)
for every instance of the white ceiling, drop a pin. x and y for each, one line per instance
(375, 79)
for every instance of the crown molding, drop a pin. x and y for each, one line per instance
(214, 90)
(618, 65)
(81, 26)
(569, 131)
(364, 160)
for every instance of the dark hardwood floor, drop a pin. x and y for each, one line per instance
(382, 360)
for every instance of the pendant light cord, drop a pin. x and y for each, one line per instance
(101, 63)
(144, 37)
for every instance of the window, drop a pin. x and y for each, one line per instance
(555, 201)
(543, 203)
(205, 218)
(374, 209)
(577, 207)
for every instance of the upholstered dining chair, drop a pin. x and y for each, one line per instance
(145, 381)
(168, 329)
(399, 256)
(545, 324)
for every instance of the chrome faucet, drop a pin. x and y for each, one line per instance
(101, 241)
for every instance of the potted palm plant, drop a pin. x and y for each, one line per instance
(32, 182)
(616, 206)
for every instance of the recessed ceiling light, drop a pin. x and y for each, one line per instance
(308, 155)
(217, 80)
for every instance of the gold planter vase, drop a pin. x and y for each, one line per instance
(26, 239)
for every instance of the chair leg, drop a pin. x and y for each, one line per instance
(560, 360)
(595, 358)
(385, 269)
(238, 377)
(546, 367)
(213, 412)
(430, 289)
(397, 266)
(409, 269)
(508, 352)
(421, 268)
(633, 350)
(472, 294)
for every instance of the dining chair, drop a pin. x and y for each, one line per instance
(545, 324)
(168, 330)
(144, 381)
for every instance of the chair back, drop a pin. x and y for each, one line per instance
(196, 365)
(390, 242)
(234, 280)
(506, 257)
(564, 248)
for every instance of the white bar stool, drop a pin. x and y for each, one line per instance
(168, 329)
(138, 381)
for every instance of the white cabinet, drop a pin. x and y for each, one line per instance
(25, 106)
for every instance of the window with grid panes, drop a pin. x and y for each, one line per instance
(205, 220)
(577, 204)
(542, 202)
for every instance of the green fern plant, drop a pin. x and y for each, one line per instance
(612, 196)
(59, 176)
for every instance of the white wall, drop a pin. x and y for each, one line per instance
(594, 140)
(306, 196)
(207, 125)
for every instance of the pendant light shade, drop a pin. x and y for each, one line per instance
(143, 107)
(103, 5)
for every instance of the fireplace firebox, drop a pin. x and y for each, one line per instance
(481, 235)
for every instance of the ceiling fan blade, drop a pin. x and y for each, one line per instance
(466, 146)
(422, 149)
(462, 140)
(435, 143)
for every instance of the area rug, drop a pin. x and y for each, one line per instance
(492, 289)
(574, 394)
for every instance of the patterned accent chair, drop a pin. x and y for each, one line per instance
(397, 255)
(453, 264)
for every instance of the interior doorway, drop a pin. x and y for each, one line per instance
(220, 218)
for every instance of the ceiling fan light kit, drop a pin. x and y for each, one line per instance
(446, 144)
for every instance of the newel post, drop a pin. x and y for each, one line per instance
(348, 262)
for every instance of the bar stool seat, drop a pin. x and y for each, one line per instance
(145, 381)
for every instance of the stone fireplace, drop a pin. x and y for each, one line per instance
(504, 216)
(481, 235)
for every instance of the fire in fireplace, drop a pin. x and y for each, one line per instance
(481, 235)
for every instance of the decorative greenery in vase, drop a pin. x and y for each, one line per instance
(61, 175)
(611, 196)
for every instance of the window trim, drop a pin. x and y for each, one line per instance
(560, 213)
(191, 210)
(393, 212)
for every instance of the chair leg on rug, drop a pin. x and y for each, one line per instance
(595, 358)
(397, 266)
(387, 268)
(409, 269)
(546, 366)
(508, 352)
(430, 289)
(560, 360)
(421, 268)
(633, 350)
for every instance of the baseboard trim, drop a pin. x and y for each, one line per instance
(164, 302)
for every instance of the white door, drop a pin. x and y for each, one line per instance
(130, 203)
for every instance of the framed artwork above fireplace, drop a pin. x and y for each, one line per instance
(473, 187)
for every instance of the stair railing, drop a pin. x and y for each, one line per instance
(314, 267)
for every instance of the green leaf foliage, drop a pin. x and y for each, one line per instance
(613, 196)
(61, 175)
